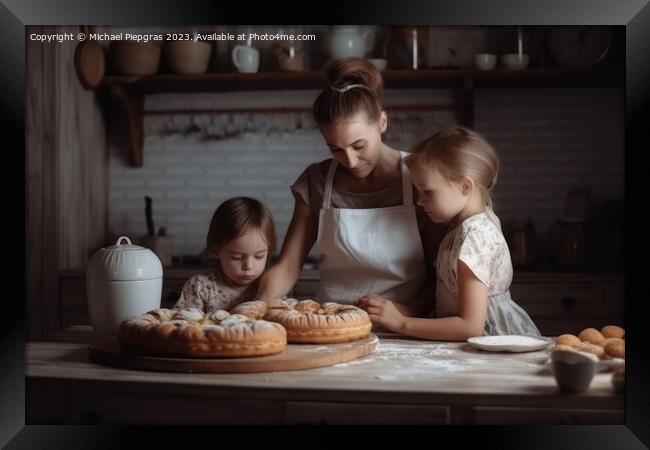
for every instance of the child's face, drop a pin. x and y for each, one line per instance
(441, 198)
(355, 143)
(243, 260)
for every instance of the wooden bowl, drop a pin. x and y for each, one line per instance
(187, 57)
(134, 58)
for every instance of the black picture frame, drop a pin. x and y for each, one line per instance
(15, 15)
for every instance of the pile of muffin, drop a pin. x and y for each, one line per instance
(608, 343)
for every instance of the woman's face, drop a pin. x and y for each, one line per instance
(355, 142)
(441, 198)
(243, 260)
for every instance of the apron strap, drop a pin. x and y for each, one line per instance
(327, 191)
(407, 184)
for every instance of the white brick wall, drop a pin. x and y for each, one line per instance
(549, 140)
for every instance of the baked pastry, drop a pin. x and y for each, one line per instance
(193, 333)
(611, 339)
(307, 321)
(591, 335)
(613, 331)
(591, 348)
(563, 347)
(255, 309)
(615, 349)
(567, 339)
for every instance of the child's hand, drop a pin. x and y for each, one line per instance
(382, 311)
(274, 303)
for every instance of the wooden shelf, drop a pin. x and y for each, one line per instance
(129, 91)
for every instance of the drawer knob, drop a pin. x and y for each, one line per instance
(569, 302)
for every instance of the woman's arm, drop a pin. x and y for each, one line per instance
(301, 236)
(470, 321)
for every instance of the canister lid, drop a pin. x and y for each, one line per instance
(124, 262)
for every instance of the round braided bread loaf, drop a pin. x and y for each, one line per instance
(193, 333)
(307, 321)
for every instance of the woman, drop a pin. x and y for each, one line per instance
(358, 206)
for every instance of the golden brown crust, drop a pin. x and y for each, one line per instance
(567, 339)
(255, 309)
(308, 321)
(192, 333)
(562, 347)
(591, 335)
(613, 331)
(590, 348)
(615, 349)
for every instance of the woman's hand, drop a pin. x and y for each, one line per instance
(382, 311)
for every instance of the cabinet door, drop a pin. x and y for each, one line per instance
(135, 409)
(559, 308)
(494, 415)
(364, 413)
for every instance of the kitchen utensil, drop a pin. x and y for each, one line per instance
(187, 57)
(573, 371)
(134, 58)
(509, 343)
(296, 356)
(149, 215)
(122, 280)
(523, 248)
(571, 251)
(289, 58)
(514, 61)
(246, 58)
(161, 245)
(485, 61)
(90, 63)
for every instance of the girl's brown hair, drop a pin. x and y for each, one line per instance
(354, 85)
(456, 152)
(234, 218)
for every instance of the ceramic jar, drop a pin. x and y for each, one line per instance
(122, 280)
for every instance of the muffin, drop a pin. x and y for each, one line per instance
(613, 331)
(591, 335)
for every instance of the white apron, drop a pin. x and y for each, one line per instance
(370, 251)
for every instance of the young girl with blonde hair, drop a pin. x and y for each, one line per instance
(454, 171)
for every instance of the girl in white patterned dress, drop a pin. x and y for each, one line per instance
(240, 237)
(454, 170)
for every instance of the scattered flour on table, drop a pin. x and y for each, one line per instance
(401, 360)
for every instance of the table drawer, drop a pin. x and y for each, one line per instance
(133, 409)
(494, 415)
(364, 413)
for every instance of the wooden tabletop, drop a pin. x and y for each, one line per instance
(408, 370)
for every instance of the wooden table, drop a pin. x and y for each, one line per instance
(404, 381)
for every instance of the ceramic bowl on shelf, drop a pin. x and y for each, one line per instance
(187, 57)
(134, 58)
(514, 61)
(485, 61)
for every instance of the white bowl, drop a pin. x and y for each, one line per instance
(485, 61)
(379, 63)
(573, 371)
(513, 61)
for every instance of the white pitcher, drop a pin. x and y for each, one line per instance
(246, 58)
(347, 41)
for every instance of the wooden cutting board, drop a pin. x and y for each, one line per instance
(295, 357)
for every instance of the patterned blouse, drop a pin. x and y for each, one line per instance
(209, 292)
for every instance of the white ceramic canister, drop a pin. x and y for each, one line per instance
(122, 280)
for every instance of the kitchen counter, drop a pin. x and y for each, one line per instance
(404, 381)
